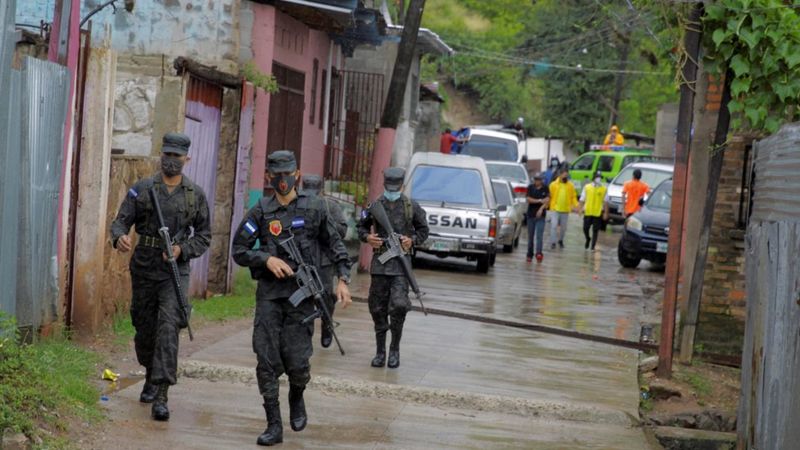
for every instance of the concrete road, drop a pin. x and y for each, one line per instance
(462, 384)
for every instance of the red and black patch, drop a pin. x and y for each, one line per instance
(275, 227)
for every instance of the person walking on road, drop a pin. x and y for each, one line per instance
(281, 336)
(313, 185)
(563, 200)
(594, 208)
(155, 310)
(538, 199)
(551, 171)
(388, 290)
(632, 191)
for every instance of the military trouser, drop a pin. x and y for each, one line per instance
(326, 273)
(281, 342)
(157, 317)
(389, 304)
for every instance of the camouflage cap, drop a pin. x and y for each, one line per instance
(312, 184)
(176, 143)
(393, 178)
(281, 161)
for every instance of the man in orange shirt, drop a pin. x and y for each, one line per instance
(632, 192)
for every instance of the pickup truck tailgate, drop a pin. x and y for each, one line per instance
(457, 230)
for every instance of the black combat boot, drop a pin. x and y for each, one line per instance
(326, 337)
(149, 390)
(297, 408)
(274, 432)
(159, 410)
(394, 348)
(380, 354)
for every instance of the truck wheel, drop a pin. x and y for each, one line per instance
(483, 263)
(626, 260)
(508, 248)
(492, 259)
(516, 242)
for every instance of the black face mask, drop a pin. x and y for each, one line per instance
(283, 184)
(171, 166)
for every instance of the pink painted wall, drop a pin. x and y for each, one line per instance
(279, 38)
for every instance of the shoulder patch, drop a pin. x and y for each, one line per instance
(251, 227)
(132, 193)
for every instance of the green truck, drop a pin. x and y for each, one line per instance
(608, 162)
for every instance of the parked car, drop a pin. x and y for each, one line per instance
(608, 163)
(494, 145)
(511, 214)
(652, 173)
(515, 173)
(646, 233)
(456, 193)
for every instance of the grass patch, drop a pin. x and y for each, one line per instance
(43, 384)
(239, 304)
(698, 382)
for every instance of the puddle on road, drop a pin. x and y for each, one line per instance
(121, 383)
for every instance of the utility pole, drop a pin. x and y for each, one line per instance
(714, 171)
(401, 12)
(623, 63)
(679, 187)
(382, 156)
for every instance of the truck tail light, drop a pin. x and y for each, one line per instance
(493, 227)
(520, 191)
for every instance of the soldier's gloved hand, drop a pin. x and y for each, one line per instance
(343, 294)
(406, 242)
(124, 243)
(176, 252)
(374, 240)
(279, 268)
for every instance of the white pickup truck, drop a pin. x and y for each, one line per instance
(456, 193)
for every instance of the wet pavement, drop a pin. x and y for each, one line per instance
(579, 394)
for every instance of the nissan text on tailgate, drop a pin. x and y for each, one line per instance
(456, 193)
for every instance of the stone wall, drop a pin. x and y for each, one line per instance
(723, 305)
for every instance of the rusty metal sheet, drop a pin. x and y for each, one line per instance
(242, 168)
(202, 125)
(776, 184)
(45, 98)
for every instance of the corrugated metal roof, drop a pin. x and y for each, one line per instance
(776, 188)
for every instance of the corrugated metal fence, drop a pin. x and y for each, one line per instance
(33, 107)
(769, 407)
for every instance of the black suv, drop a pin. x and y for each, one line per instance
(646, 233)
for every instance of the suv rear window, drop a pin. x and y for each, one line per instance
(649, 176)
(507, 172)
(502, 193)
(447, 184)
(491, 149)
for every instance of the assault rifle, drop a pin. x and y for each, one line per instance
(309, 285)
(394, 249)
(183, 302)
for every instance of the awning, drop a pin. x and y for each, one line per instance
(427, 41)
(327, 15)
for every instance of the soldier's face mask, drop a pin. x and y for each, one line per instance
(392, 195)
(171, 165)
(283, 183)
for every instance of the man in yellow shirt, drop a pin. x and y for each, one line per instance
(595, 208)
(563, 200)
(614, 137)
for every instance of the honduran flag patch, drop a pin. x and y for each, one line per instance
(250, 227)
(132, 193)
(298, 222)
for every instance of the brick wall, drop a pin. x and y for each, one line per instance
(722, 309)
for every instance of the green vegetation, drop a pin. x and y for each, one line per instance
(556, 63)
(265, 81)
(44, 383)
(700, 384)
(759, 41)
(239, 304)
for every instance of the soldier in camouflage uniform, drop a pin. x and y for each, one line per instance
(155, 311)
(281, 341)
(388, 290)
(313, 185)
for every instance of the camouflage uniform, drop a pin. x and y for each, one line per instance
(281, 342)
(155, 311)
(388, 291)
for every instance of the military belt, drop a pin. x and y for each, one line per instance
(151, 241)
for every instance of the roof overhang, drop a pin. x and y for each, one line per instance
(326, 15)
(427, 41)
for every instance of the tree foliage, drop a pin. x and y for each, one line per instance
(759, 40)
(522, 59)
